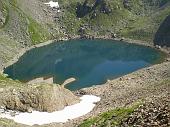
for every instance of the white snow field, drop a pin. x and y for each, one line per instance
(70, 112)
(53, 4)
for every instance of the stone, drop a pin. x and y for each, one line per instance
(42, 97)
(122, 39)
(29, 110)
(114, 35)
(2, 110)
(1, 90)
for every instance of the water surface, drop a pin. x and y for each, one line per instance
(91, 62)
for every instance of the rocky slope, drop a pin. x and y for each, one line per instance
(155, 112)
(23, 23)
(146, 86)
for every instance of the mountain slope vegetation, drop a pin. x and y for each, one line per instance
(24, 23)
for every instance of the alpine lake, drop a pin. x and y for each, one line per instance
(90, 62)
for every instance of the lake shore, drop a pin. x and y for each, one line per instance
(146, 84)
(130, 41)
(121, 91)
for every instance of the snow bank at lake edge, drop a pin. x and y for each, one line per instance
(70, 112)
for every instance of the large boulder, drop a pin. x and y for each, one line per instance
(43, 97)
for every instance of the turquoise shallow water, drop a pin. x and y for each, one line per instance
(91, 62)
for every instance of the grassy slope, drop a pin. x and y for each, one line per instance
(19, 30)
(6, 82)
(110, 118)
(144, 28)
(37, 32)
(140, 22)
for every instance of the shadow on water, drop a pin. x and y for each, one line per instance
(162, 36)
(89, 62)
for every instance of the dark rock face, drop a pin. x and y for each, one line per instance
(162, 36)
(83, 10)
(86, 8)
(126, 4)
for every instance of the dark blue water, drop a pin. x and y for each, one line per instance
(90, 62)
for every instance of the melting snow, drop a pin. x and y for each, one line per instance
(53, 4)
(70, 112)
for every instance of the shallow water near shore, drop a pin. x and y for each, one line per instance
(90, 62)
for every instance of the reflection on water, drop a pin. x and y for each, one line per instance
(89, 62)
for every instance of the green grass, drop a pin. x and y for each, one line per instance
(7, 82)
(140, 22)
(37, 32)
(145, 27)
(110, 118)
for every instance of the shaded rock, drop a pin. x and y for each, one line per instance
(88, 7)
(162, 36)
(113, 35)
(80, 92)
(126, 4)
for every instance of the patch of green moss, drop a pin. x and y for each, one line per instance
(110, 118)
(9, 123)
(7, 82)
(37, 32)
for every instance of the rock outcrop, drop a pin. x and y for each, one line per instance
(162, 37)
(43, 97)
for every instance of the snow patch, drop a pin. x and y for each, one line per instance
(70, 112)
(53, 4)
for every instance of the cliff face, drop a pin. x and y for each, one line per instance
(162, 36)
